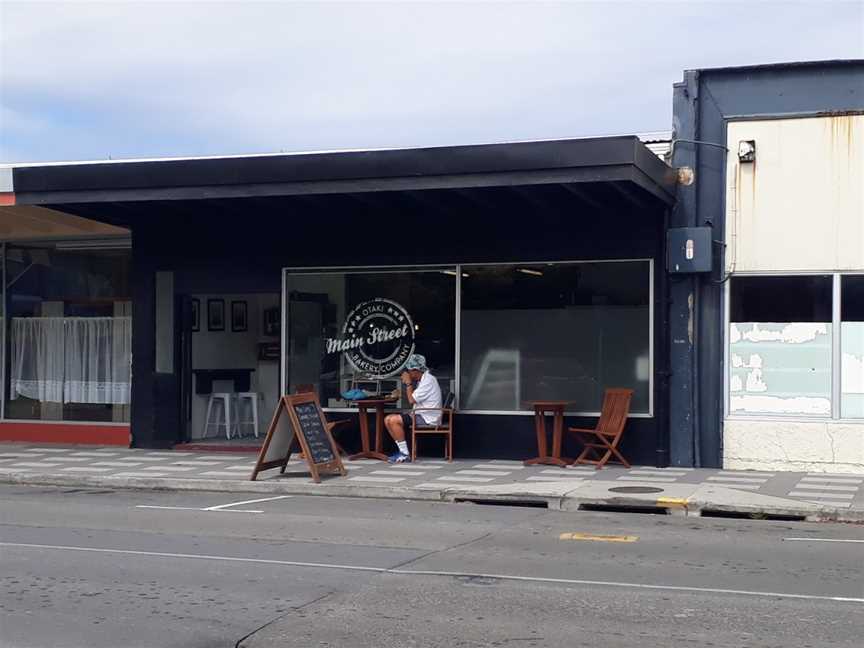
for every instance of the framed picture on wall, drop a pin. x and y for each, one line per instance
(215, 314)
(239, 316)
(196, 314)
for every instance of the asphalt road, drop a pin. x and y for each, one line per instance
(92, 568)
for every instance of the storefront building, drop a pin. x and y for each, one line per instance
(535, 270)
(521, 271)
(783, 312)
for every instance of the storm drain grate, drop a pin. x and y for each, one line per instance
(624, 508)
(749, 515)
(502, 502)
(635, 489)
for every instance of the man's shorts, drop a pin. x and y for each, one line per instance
(406, 420)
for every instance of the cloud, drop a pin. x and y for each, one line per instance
(150, 78)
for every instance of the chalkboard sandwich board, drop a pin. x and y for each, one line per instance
(299, 416)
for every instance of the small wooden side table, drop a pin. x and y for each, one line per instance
(363, 407)
(541, 410)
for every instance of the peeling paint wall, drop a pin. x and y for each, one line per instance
(780, 369)
(818, 446)
(800, 205)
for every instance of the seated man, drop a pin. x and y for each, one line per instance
(427, 394)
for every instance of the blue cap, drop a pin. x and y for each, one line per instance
(416, 362)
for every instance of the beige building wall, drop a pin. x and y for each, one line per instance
(800, 205)
(798, 208)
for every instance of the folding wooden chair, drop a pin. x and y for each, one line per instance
(603, 440)
(444, 427)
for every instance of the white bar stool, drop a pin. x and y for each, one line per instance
(252, 398)
(224, 399)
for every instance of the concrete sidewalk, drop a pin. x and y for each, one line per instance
(813, 496)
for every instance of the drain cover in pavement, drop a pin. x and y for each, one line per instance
(635, 489)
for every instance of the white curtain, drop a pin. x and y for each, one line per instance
(72, 359)
(37, 358)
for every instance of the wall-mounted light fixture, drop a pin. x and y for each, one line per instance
(529, 271)
(747, 151)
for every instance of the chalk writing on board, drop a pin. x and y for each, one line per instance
(314, 432)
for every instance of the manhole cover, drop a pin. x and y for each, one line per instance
(635, 489)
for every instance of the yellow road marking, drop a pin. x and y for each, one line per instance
(680, 502)
(598, 538)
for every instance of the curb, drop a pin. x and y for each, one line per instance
(567, 502)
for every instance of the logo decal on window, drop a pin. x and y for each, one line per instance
(377, 338)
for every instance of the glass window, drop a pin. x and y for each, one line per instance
(69, 332)
(554, 331)
(355, 329)
(852, 346)
(780, 345)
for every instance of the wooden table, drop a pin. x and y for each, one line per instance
(541, 410)
(364, 406)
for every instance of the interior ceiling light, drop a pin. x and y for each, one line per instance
(529, 271)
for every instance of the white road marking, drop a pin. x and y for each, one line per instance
(118, 464)
(254, 501)
(453, 574)
(60, 450)
(659, 480)
(138, 474)
(414, 465)
(659, 473)
(169, 468)
(85, 469)
(70, 459)
(94, 454)
(742, 473)
(33, 464)
(484, 473)
(824, 540)
(170, 508)
(178, 455)
(233, 475)
(203, 464)
(743, 480)
(492, 466)
(380, 480)
(833, 480)
(15, 455)
(549, 478)
(465, 479)
(240, 467)
(822, 495)
(412, 473)
(562, 473)
(827, 487)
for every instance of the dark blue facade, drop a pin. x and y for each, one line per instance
(703, 103)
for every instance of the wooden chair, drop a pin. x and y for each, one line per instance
(331, 425)
(444, 427)
(603, 440)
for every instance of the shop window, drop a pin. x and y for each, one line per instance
(352, 329)
(556, 332)
(852, 346)
(69, 331)
(780, 345)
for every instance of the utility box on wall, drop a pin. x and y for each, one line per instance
(688, 249)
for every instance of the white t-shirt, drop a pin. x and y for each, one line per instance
(428, 394)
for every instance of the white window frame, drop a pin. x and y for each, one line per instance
(458, 268)
(836, 349)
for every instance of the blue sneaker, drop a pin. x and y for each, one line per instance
(398, 457)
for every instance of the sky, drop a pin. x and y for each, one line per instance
(99, 80)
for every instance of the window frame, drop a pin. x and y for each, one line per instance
(122, 242)
(836, 349)
(458, 268)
